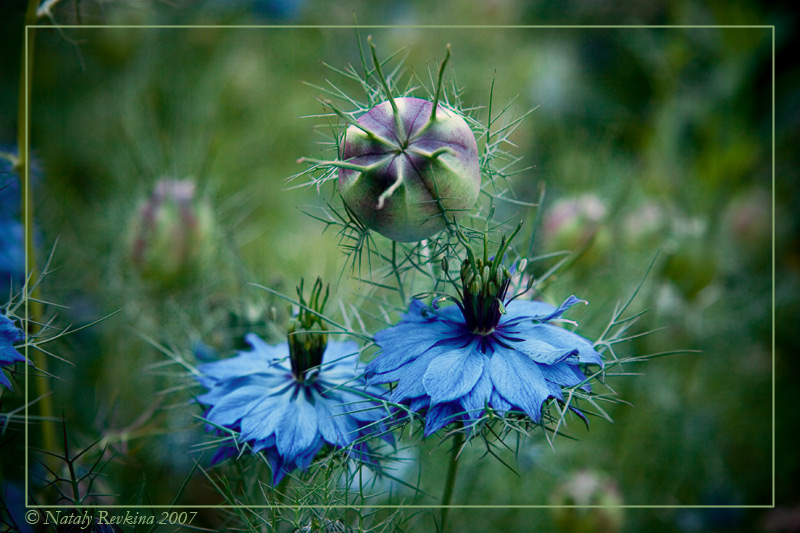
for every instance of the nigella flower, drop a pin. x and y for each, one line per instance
(9, 335)
(12, 231)
(290, 409)
(487, 351)
(12, 256)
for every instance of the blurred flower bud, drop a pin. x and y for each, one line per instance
(588, 488)
(748, 221)
(691, 263)
(171, 233)
(409, 169)
(644, 228)
(574, 223)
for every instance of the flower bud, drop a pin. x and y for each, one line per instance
(691, 264)
(409, 170)
(645, 227)
(572, 224)
(170, 232)
(748, 224)
(583, 489)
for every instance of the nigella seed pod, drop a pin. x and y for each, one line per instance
(409, 169)
(172, 228)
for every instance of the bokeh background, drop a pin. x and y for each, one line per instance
(650, 142)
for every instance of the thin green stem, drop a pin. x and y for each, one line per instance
(450, 483)
(33, 305)
(397, 274)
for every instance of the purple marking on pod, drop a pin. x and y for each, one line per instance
(409, 187)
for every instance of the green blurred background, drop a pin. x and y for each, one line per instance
(647, 139)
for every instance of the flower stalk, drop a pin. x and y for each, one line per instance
(450, 482)
(33, 305)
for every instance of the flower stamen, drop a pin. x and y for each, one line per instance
(307, 340)
(485, 282)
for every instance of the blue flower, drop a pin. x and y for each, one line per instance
(290, 412)
(10, 194)
(12, 231)
(9, 335)
(453, 368)
(12, 256)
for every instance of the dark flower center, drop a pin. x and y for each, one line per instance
(306, 333)
(485, 287)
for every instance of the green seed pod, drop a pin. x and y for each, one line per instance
(170, 232)
(409, 170)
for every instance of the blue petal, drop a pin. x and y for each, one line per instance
(521, 338)
(304, 459)
(555, 390)
(526, 309)
(269, 384)
(409, 378)
(418, 404)
(9, 333)
(9, 355)
(559, 339)
(405, 342)
(561, 374)
(235, 405)
(297, 429)
(453, 374)
(277, 464)
(539, 311)
(204, 352)
(519, 381)
(342, 356)
(222, 453)
(267, 351)
(450, 313)
(336, 428)
(475, 401)
(358, 404)
(262, 444)
(262, 421)
(498, 403)
(439, 416)
(569, 302)
(244, 364)
(419, 312)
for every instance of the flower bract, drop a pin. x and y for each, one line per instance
(451, 370)
(286, 416)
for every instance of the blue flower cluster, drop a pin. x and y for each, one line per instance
(452, 372)
(289, 417)
(12, 232)
(9, 336)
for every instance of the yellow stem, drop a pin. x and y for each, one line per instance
(33, 305)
